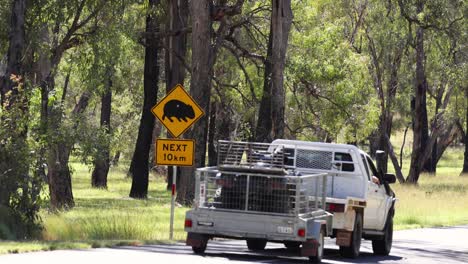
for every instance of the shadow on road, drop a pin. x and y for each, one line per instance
(239, 252)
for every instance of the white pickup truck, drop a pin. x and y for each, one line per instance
(293, 192)
(358, 194)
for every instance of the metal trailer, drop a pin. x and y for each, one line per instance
(251, 195)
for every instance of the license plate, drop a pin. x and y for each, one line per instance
(285, 229)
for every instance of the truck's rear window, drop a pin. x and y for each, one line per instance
(314, 159)
(347, 165)
(318, 159)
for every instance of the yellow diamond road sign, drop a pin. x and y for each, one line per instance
(177, 111)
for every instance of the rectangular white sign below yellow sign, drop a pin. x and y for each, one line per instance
(175, 152)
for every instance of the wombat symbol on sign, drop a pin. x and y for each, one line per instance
(179, 110)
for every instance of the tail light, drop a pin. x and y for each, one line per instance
(301, 232)
(188, 223)
(336, 208)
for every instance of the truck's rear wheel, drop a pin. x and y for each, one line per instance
(353, 250)
(384, 245)
(320, 249)
(256, 244)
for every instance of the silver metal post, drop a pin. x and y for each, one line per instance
(174, 191)
(247, 193)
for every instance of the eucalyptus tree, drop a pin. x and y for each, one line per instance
(330, 92)
(206, 43)
(60, 27)
(376, 29)
(175, 46)
(426, 18)
(19, 191)
(271, 120)
(139, 168)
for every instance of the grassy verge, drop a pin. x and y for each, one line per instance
(109, 218)
(111, 215)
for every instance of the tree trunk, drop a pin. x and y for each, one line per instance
(58, 155)
(200, 89)
(281, 20)
(15, 66)
(270, 123)
(264, 121)
(212, 153)
(58, 173)
(15, 52)
(176, 49)
(420, 126)
(465, 160)
(116, 158)
(393, 158)
(140, 167)
(102, 161)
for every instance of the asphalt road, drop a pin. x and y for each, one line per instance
(431, 245)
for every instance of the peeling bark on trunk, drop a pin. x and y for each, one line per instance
(140, 166)
(102, 162)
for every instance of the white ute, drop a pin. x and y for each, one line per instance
(358, 193)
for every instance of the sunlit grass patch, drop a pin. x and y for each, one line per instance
(437, 201)
(111, 215)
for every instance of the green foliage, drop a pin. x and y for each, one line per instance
(331, 92)
(20, 199)
(5, 10)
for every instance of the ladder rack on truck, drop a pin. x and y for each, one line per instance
(253, 195)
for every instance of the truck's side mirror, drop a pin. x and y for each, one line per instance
(379, 158)
(389, 178)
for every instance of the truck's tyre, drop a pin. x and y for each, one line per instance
(320, 249)
(384, 245)
(292, 245)
(256, 244)
(353, 250)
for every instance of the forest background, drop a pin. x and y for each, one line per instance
(79, 77)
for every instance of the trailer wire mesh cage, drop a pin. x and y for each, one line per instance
(260, 193)
(248, 156)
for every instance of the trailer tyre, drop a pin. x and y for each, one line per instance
(256, 244)
(200, 249)
(320, 249)
(383, 246)
(353, 250)
(292, 245)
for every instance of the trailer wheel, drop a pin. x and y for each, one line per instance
(384, 245)
(353, 250)
(320, 249)
(292, 245)
(201, 248)
(256, 244)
